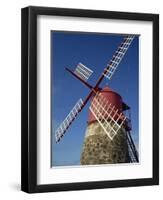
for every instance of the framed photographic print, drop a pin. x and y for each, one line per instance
(90, 99)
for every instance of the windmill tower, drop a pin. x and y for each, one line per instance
(108, 135)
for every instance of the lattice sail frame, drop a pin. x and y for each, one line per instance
(83, 72)
(117, 57)
(134, 157)
(68, 120)
(107, 116)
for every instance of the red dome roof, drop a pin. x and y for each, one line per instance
(107, 89)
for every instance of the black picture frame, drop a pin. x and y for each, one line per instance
(29, 98)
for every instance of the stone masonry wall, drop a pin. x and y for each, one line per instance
(99, 149)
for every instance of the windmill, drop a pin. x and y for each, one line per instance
(109, 128)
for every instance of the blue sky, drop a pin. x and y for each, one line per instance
(94, 50)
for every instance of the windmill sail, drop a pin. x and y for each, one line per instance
(110, 119)
(83, 72)
(132, 149)
(68, 120)
(117, 57)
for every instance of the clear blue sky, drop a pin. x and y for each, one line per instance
(94, 50)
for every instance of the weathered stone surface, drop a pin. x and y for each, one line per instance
(99, 149)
